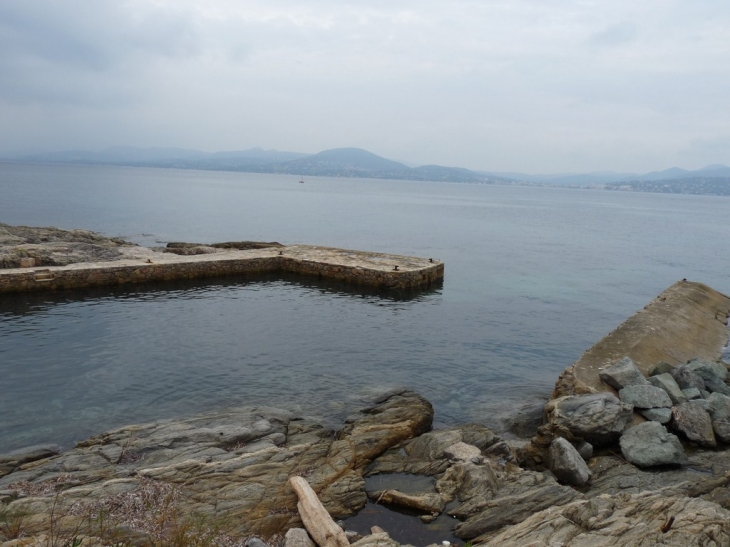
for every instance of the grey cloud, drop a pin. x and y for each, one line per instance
(705, 150)
(617, 34)
(93, 54)
(27, 33)
(580, 85)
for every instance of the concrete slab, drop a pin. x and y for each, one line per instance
(141, 264)
(686, 321)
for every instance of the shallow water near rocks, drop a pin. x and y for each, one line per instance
(402, 527)
(534, 276)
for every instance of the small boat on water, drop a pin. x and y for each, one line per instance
(301, 180)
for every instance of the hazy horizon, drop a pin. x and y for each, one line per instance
(25, 155)
(526, 86)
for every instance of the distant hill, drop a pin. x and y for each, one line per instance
(596, 178)
(675, 173)
(714, 186)
(338, 162)
(356, 162)
(710, 180)
(342, 162)
(165, 157)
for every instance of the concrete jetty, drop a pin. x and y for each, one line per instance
(362, 268)
(686, 321)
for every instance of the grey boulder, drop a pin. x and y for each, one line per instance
(692, 420)
(598, 418)
(567, 464)
(687, 378)
(692, 393)
(720, 413)
(650, 444)
(645, 396)
(662, 367)
(715, 385)
(667, 383)
(298, 537)
(661, 415)
(708, 369)
(621, 374)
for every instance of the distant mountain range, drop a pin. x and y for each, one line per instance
(165, 157)
(355, 162)
(338, 162)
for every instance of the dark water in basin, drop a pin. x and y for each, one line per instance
(534, 276)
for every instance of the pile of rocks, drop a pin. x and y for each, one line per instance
(692, 400)
(233, 470)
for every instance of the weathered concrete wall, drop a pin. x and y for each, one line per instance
(66, 278)
(362, 276)
(351, 266)
(686, 321)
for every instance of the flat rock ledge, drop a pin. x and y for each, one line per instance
(223, 479)
(229, 470)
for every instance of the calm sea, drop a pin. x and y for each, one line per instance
(534, 276)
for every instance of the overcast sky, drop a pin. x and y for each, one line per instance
(522, 85)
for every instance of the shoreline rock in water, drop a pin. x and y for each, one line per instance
(640, 458)
(30, 246)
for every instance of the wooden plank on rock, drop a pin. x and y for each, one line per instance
(315, 517)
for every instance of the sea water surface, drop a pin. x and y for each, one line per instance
(534, 276)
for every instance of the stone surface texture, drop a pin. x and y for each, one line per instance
(567, 464)
(235, 464)
(667, 383)
(687, 378)
(708, 369)
(298, 537)
(686, 321)
(661, 415)
(634, 519)
(692, 393)
(599, 418)
(645, 396)
(694, 422)
(622, 374)
(719, 409)
(650, 444)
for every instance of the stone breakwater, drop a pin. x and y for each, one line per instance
(686, 321)
(363, 268)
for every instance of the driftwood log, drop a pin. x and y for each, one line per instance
(316, 519)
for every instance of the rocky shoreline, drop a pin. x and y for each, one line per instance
(632, 450)
(30, 246)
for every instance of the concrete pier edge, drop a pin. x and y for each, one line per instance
(686, 321)
(357, 267)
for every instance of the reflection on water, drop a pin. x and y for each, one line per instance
(76, 363)
(405, 528)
